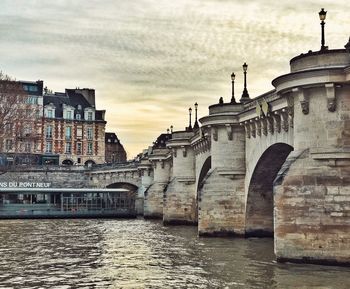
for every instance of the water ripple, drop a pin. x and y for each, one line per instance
(66, 254)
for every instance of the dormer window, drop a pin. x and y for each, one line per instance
(49, 113)
(68, 114)
(79, 107)
(78, 116)
(89, 114)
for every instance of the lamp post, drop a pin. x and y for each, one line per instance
(233, 76)
(196, 125)
(190, 124)
(322, 15)
(245, 94)
(171, 128)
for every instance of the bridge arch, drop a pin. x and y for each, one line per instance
(89, 163)
(123, 185)
(203, 172)
(67, 162)
(259, 202)
(206, 166)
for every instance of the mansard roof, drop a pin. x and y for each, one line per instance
(71, 98)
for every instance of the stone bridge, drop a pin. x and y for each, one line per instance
(277, 165)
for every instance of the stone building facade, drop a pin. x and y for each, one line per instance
(73, 130)
(115, 152)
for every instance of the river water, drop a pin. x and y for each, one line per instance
(144, 254)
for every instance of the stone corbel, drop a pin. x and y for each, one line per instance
(277, 122)
(331, 100)
(258, 127)
(184, 152)
(270, 123)
(207, 131)
(304, 101)
(253, 128)
(215, 133)
(264, 126)
(229, 132)
(247, 129)
(285, 118)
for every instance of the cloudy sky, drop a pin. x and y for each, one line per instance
(150, 60)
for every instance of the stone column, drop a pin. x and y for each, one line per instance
(180, 195)
(161, 164)
(221, 199)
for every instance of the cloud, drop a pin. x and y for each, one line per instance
(149, 60)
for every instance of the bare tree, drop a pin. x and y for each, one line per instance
(19, 118)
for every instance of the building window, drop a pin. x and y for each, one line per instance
(8, 127)
(78, 116)
(79, 132)
(27, 147)
(79, 148)
(48, 148)
(32, 100)
(89, 149)
(50, 113)
(68, 114)
(89, 115)
(33, 88)
(8, 144)
(49, 131)
(68, 132)
(36, 146)
(68, 148)
(27, 130)
(109, 140)
(89, 133)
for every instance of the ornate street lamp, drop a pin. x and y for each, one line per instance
(196, 125)
(322, 15)
(171, 128)
(245, 94)
(233, 76)
(190, 124)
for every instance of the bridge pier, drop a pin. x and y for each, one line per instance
(312, 192)
(221, 198)
(180, 205)
(161, 163)
(146, 173)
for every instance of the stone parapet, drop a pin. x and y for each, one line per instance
(320, 59)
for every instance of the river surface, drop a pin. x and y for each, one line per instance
(144, 254)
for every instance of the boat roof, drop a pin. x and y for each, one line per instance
(61, 190)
